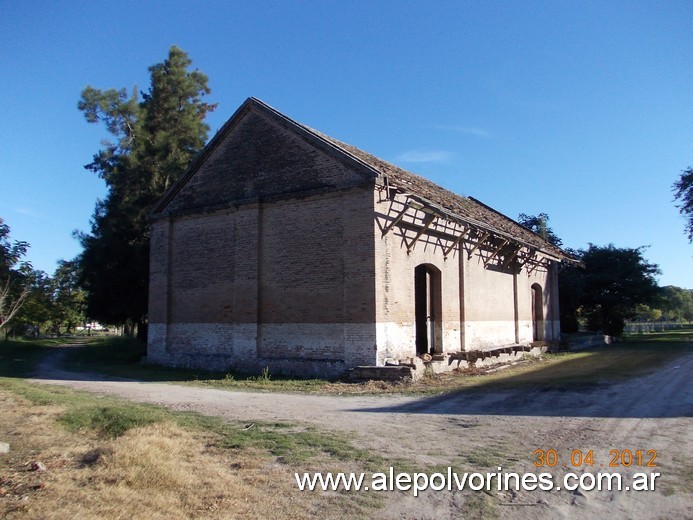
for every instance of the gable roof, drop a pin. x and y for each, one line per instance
(457, 207)
(305, 133)
(449, 204)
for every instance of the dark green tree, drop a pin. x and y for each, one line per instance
(539, 224)
(38, 309)
(69, 299)
(571, 283)
(54, 304)
(676, 303)
(15, 282)
(609, 286)
(612, 284)
(647, 313)
(155, 136)
(683, 193)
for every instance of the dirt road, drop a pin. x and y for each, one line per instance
(481, 432)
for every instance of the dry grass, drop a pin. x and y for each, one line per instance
(160, 470)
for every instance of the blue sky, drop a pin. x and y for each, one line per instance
(582, 110)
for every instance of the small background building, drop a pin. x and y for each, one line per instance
(284, 248)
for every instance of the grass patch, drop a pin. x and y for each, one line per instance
(112, 420)
(111, 417)
(261, 446)
(487, 457)
(297, 445)
(481, 505)
(292, 443)
(171, 468)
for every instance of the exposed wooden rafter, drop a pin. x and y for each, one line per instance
(427, 221)
(510, 258)
(495, 253)
(535, 266)
(397, 219)
(455, 242)
(450, 231)
(527, 257)
(478, 243)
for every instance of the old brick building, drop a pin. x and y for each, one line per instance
(282, 247)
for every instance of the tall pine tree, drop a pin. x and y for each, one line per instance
(155, 136)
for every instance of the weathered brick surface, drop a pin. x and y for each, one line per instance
(312, 254)
(267, 285)
(158, 272)
(202, 268)
(259, 158)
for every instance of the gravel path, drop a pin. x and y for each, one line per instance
(654, 412)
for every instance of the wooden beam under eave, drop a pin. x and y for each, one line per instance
(396, 220)
(478, 243)
(510, 258)
(524, 260)
(428, 220)
(488, 260)
(536, 265)
(455, 242)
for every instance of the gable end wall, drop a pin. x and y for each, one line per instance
(260, 159)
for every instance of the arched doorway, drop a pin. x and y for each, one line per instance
(537, 313)
(428, 304)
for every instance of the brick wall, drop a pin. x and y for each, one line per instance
(287, 284)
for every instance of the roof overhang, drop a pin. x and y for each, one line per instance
(474, 234)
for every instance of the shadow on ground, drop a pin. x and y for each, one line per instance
(665, 393)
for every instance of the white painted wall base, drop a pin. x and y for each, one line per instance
(293, 348)
(485, 334)
(313, 348)
(398, 340)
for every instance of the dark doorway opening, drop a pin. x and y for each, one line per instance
(428, 303)
(537, 313)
